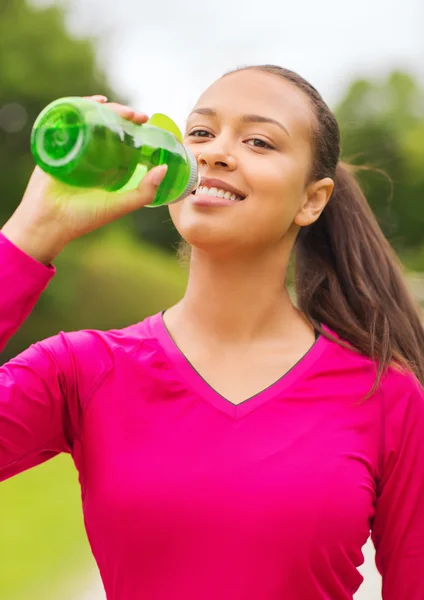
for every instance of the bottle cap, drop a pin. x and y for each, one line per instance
(193, 180)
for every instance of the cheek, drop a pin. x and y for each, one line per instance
(276, 194)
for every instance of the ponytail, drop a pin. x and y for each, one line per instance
(349, 278)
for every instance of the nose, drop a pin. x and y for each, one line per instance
(216, 156)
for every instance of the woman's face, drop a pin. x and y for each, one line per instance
(252, 131)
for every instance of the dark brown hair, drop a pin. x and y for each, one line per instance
(346, 274)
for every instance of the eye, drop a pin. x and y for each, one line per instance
(265, 144)
(202, 133)
(198, 131)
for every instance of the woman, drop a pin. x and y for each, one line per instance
(234, 446)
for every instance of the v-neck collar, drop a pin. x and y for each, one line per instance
(196, 382)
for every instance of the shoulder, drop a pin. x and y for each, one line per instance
(105, 343)
(89, 355)
(399, 392)
(402, 397)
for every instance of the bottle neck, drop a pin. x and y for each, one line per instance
(194, 177)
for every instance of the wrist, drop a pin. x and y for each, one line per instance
(42, 241)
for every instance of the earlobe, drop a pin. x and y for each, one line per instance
(318, 196)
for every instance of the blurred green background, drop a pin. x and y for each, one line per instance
(129, 270)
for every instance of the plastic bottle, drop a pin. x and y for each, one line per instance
(85, 144)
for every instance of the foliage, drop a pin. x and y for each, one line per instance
(39, 62)
(382, 125)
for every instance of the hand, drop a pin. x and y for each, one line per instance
(52, 213)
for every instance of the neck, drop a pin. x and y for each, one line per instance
(238, 300)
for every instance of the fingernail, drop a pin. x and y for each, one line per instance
(159, 174)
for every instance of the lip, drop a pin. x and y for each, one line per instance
(212, 201)
(221, 185)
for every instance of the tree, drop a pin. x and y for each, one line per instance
(382, 125)
(39, 62)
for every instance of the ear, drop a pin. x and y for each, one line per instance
(317, 196)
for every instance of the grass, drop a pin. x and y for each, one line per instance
(42, 533)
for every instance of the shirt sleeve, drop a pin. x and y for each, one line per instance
(38, 407)
(398, 527)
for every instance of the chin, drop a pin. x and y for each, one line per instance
(206, 231)
(208, 239)
(219, 233)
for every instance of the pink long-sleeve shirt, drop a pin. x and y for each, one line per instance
(188, 496)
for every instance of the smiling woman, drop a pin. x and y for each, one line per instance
(347, 229)
(235, 445)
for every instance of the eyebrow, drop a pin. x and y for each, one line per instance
(210, 112)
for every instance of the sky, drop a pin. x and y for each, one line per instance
(162, 54)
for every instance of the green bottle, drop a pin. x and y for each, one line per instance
(85, 144)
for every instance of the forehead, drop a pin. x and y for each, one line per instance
(256, 92)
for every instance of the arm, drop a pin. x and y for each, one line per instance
(39, 401)
(38, 411)
(398, 528)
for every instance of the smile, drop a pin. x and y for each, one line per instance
(217, 193)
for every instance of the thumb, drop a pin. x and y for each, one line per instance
(155, 176)
(146, 191)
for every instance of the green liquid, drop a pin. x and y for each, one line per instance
(86, 145)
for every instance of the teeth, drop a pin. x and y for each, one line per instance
(205, 191)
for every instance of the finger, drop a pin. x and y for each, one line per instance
(97, 98)
(128, 113)
(154, 177)
(143, 195)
